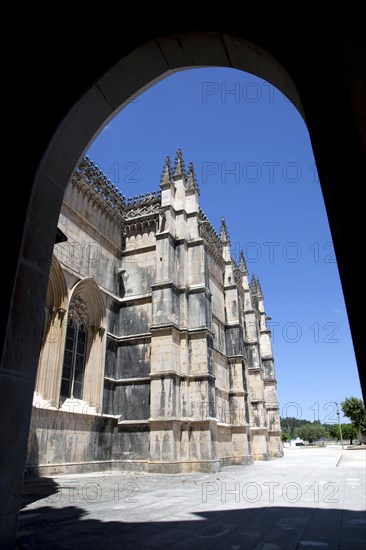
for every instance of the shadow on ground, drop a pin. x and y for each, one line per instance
(263, 528)
(36, 488)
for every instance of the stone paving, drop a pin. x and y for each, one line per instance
(311, 498)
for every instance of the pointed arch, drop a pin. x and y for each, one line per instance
(57, 295)
(88, 289)
(87, 308)
(50, 360)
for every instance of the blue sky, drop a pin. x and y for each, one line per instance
(255, 166)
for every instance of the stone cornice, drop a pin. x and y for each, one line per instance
(132, 338)
(132, 213)
(127, 381)
(137, 225)
(182, 376)
(90, 181)
(168, 327)
(208, 233)
(154, 197)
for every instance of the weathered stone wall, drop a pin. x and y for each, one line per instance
(93, 248)
(66, 442)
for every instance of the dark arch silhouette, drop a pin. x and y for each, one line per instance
(323, 59)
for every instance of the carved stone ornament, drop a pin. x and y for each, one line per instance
(78, 310)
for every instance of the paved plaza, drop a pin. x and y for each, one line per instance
(311, 498)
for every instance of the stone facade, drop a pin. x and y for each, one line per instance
(156, 355)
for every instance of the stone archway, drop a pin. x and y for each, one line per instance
(135, 72)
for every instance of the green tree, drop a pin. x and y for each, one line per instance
(354, 409)
(311, 432)
(290, 423)
(348, 432)
(333, 430)
(363, 426)
(285, 436)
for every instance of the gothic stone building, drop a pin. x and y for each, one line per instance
(155, 355)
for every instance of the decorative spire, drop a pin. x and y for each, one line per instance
(253, 284)
(167, 172)
(192, 182)
(259, 289)
(256, 286)
(179, 164)
(224, 235)
(242, 263)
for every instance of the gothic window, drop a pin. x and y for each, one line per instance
(75, 350)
